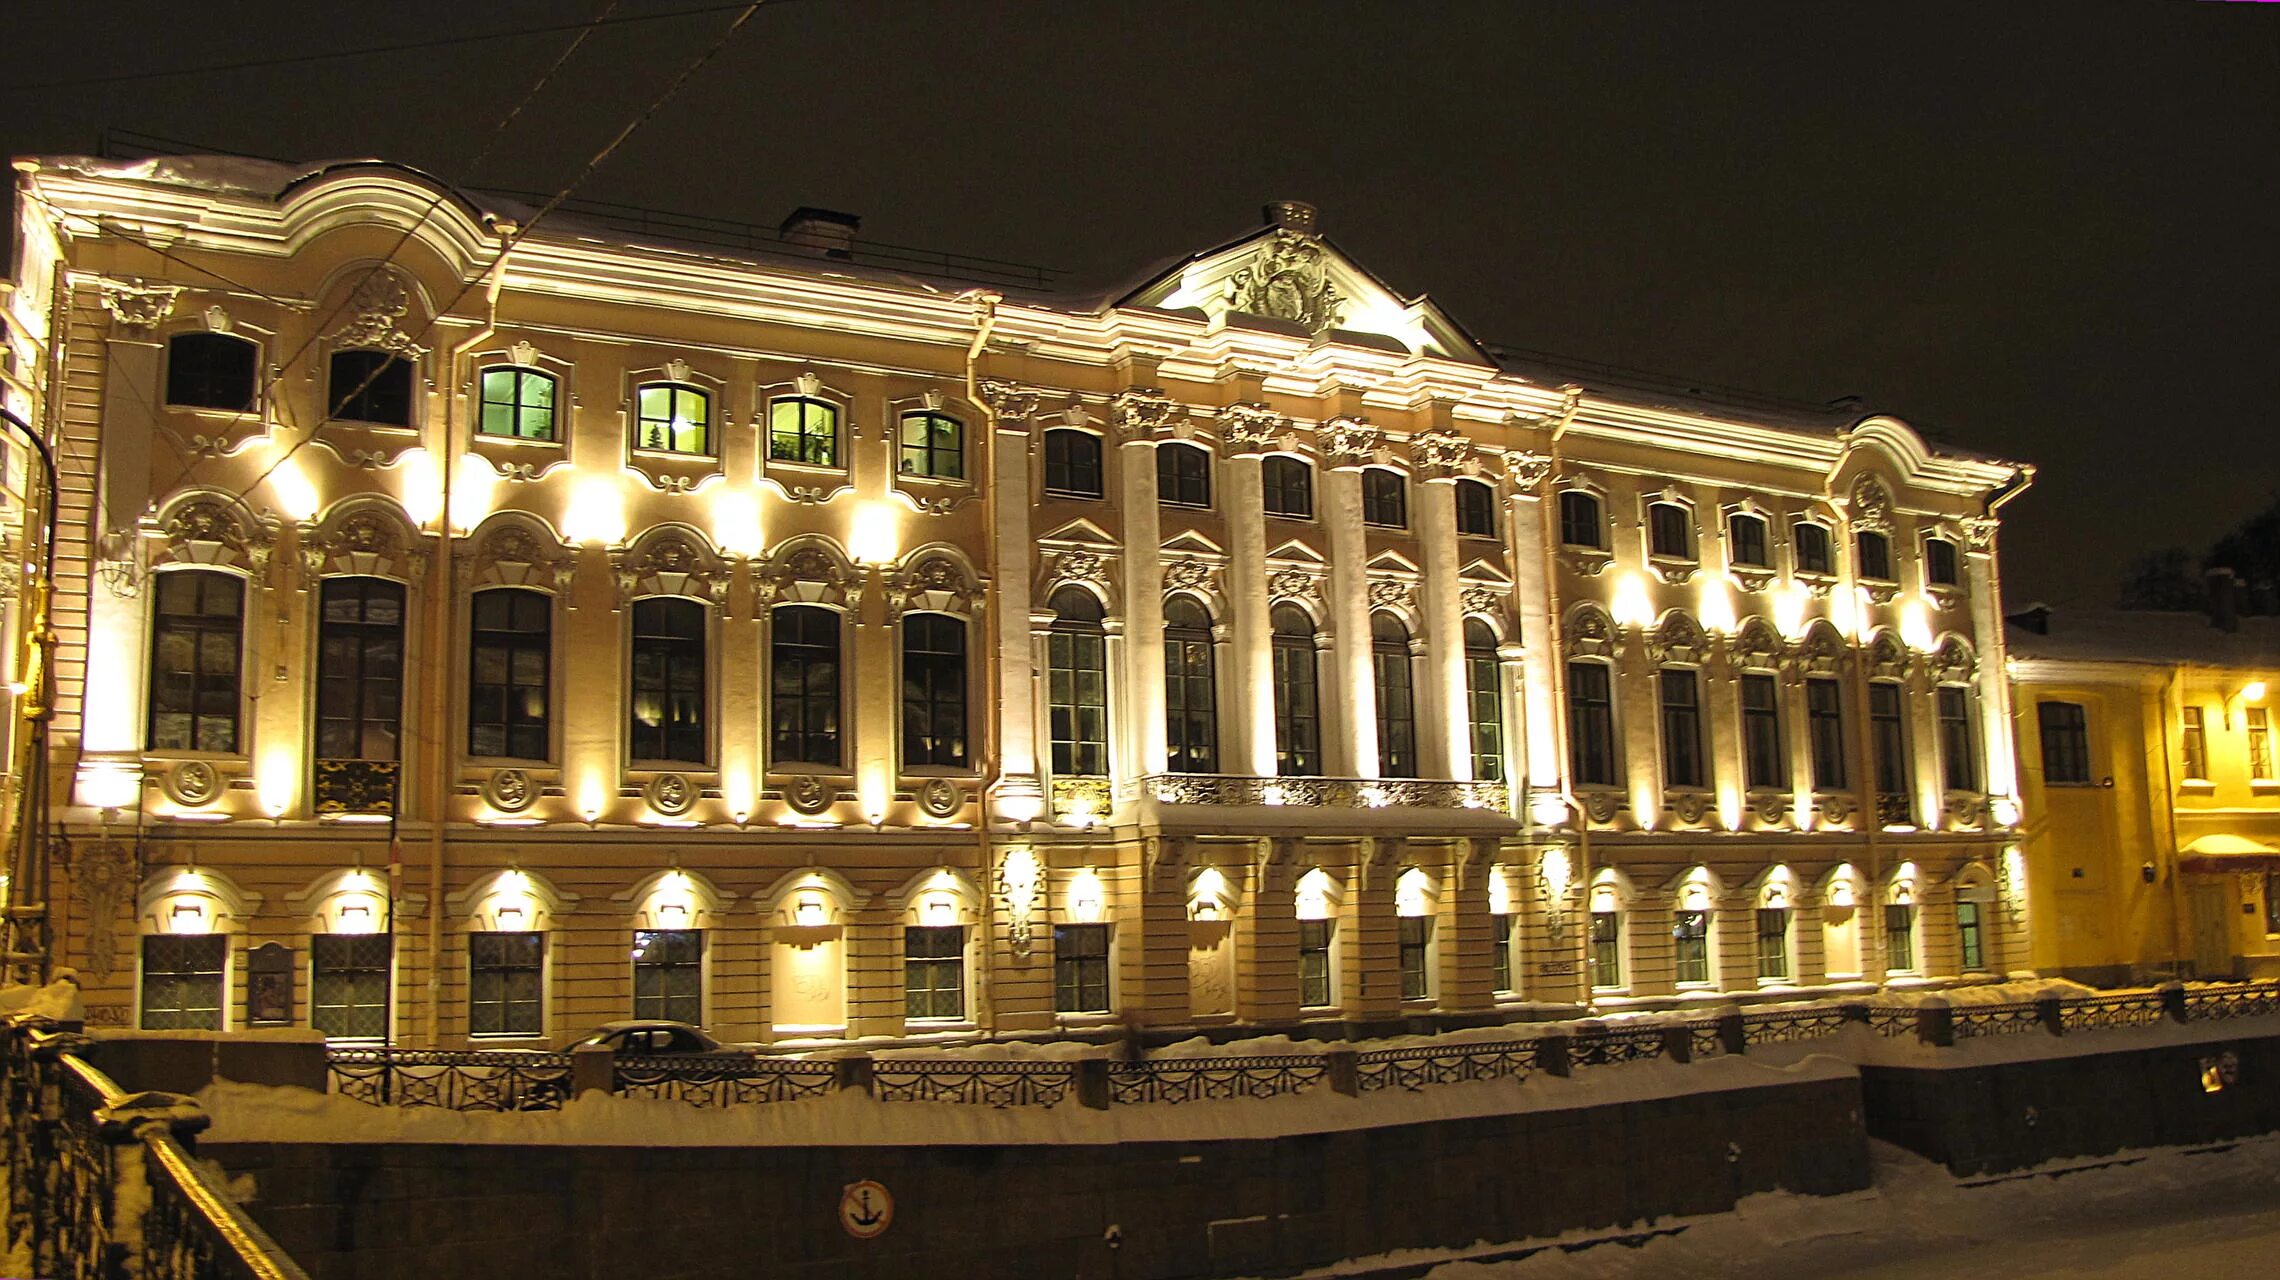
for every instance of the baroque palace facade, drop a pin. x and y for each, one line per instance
(472, 635)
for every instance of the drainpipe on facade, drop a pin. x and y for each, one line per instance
(2176, 892)
(985, 320)
(1547, 518)
(2022, 477)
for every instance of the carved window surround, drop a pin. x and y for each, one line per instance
(1674, 571)
(517, 459)
(666, 471)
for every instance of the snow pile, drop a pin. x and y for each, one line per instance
(1990, 993)
(999, 1051)
(58, 1000)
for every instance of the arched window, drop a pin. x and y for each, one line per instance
(803, 430)
(1773, 925)
(1476, 509)
(1813, 549)
(1396, 696)
(673, 417)
(1077, 684)
(1581, 524)
(1901, 954)
(1072, 463)
(1888, 751)
(1875, 555)
(1681, 727)
(360, 669)
(803, 686)
(1183, 475)
(371, 386)
(517, 404)
(934, 445)
(1670, 531)
(1690, 934)
(933, 690)
(668, 702)
(1298, 709)
(212, 371)
(1484, 696)
(1606, 936)
(1765, 761)
(1959, 759)
(1288, 487)
(1191, 689)
(1591, 724)
(1940, 566)
(197, 636)
(1385, 498)
(510, 661)
(1746, 541)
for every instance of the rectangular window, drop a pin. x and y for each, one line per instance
(1080, 968)
(1416, 980)
(1391, 668)
(2259, 745)
(1385, 499)
(510, 656)
(1591, 724)
(1940, 566)
(933, 444)
(360, 669)
(1764, 764)
(1670, 531)
(1314, 963)
(1072, 463)
(803, 686)
(1814, 552)
(348, 984)
(934, 690)
(1745, 538)
(1191, 694)
(1900, 937)
(1484, 698)
(1959, 763)
(371, 386)
(1606, 949)
(182, 981)
(669, 975)
(1076, 697)
(672, 418)
(2196, 743)
(1476, 509)
(197, 630)
(1888, 738)
(803, 431)
(1773, 942)
(1287, 488)
(1875, 556)
(2272, 902)
(2065, 743)
(517, 404)
(1579, 520)
(668, 704)
(1690, 940)
(505, 979)
(1681, 728)
(1825, 732)
(934, 971)
(1968, 937)
(1183, 475)
(1500, 951)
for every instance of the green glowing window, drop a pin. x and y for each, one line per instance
(672, 417)
(517, 404)
(803, 431)
(933, 444)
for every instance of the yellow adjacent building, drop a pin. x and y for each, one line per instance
(2147, 768)
(472, 632)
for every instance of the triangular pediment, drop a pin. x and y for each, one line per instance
(1078, 533)
(1298, 552)
(1393, 562)
(1483, 571)
(1295, 281)
(1191, 543)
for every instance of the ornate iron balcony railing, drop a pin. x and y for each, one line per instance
(1323, 793)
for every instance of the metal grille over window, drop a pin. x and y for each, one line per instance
(1080, 968)
(348, 985)
(668, 974)
(182, 981)
(504, 979)
(934, 971)
(197, 635)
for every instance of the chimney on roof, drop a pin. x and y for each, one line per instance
(1292, 215)
(2224, 599)
(826, 233)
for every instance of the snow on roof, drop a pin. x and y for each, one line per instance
(2146, 636)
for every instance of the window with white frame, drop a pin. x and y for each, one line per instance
(1080, 968)
(2194, 739)
(934, 972)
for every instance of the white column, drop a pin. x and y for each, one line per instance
(1016, 565)
(1444, 746)
(1350, 748)
(1995, 724)
(118, 647)
(1143, 604)
(1248, 718)
(1539, 743)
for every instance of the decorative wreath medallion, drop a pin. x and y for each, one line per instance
(671, 794)
(807, 794)
(193, 782)
(941, 798)
(509, 790)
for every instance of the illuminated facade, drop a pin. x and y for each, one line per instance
(473, 636)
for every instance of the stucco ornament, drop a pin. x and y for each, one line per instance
(1440, 455)
(1253, 427)
(101, 872)
(1288, 280)
(379, 301)
(136, 307)
(1142, 413)
(1349, 442)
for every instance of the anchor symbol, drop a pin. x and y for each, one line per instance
(865, 1215)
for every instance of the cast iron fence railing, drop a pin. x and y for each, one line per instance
(475, 1080)
(2128, 1009)
(720, 1080)
(1415, 1068)
(1996, 1019)
(1206, 1078)
(2253, 1000)
(101, 1183)
(987, 1083)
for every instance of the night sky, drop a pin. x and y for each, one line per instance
(2045, 232)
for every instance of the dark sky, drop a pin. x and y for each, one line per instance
(2044, 231)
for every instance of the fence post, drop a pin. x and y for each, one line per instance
(855, 1072)
(1855, 1013)
(1553, 1055)
(2052, 1011)
(1343, 1076)
(1935, 1023)
(1733, 1033)
(1091, 1076)
(2173, 1001)
(1678, 1042)
(593, 1067)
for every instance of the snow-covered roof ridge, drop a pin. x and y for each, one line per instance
(2145, 636)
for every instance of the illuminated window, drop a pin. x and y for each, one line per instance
(371, 386)
(1940, 566)
(1288, 487)
(1580, 522)
(182, 981)
(1815, 553)
(360, 669)
(1183, 475)
(1875, 555)
(933, 690)
(1314, 963)
(934, 971)
(348, 984)
(1076, 696)
(212, 371)
(1191, 689)
(669, 975)
(933, 445)
(2196, 744)
(1412, 939)
(505, 976)
(1746, 541)
(1393, 672)
(1080, 968)
(1298, 710)
(667, 709)
(673, 417)
(1072, 463)
(1773, 942)
(804, 431)
(1825, 731)
(2065, 742)
(1476, 509)
(1971, 944)
(1606, 948)
(1959, 763)
(1670, 531)
(517, 404)
(1500, 953)
(1690, 944)
(2272, 902)
(1591, 725)
(1484, 699)
(1900, 937)
(1385, 499)
(2259, 745)
(1888, 746)
(197, 637)
(510, 656)
(1681, 727)
(1764, 763)
(803, 686)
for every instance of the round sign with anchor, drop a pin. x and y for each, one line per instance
(865, 1209)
